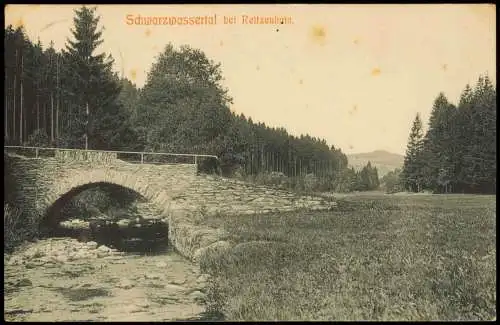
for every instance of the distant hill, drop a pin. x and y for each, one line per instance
(384, 161)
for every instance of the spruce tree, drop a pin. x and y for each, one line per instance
(93, 87)
(488, 132)
(480, 160)
(439, 157)
(476, 138)
(462, 139)
(412, 174)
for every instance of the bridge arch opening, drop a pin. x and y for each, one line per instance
(109, 214)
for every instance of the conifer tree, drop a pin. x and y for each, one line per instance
(477, 138)
(439, 156)
(92, 84)
(412, 174)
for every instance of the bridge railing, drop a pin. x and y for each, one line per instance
(128, 156)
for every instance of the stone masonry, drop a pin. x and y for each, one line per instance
(175, 190)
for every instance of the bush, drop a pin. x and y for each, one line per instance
(344, 181)
(38, 138)
(392, 182)
(276, 179)
(299, 184)
(310, 182)
(17, 227)
(230, 164)
(209, 166)
(68, 141)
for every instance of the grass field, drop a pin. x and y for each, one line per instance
(377, 257)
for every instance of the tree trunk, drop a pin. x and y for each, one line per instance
(44, 118)
(6, 113)
(21, 107)
(57, 119)
(51, 116)
(14, 108)
(262, 161)
(25, 137)
(87, 127)
(69, 117)
(251, 162)
(57, 97)
(37, 112)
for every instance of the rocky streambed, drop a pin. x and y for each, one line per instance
(63, 279)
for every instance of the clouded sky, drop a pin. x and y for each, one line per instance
(354, 75)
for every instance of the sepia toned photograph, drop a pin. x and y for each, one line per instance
(298, 162)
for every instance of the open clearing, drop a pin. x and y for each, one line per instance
(376, 257)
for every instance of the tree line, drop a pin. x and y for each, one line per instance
(62, 98)
(457, 154)
(72, 98)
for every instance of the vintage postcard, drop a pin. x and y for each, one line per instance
(250, 162)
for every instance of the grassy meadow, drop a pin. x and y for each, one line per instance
(376, 257)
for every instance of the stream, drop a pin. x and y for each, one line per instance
(63, 279)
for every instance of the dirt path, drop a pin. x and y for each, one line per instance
(65, 280)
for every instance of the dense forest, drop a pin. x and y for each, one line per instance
(457, 154)
(73, 99)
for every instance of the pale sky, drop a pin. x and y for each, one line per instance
(355, 75)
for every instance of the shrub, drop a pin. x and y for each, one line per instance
(38, 138)
(209, 166)
(17, 227)
(66, 140)
(392, 181)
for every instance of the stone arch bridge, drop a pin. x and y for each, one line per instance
(39, 180)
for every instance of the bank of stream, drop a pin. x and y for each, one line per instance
(63, 279)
